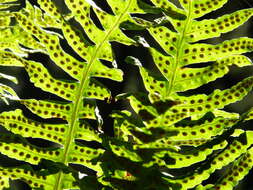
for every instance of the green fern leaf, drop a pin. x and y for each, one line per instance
(169, 131)
(179, 120)
(30, 29)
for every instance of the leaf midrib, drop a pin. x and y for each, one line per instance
(178, 55)
(79, 97)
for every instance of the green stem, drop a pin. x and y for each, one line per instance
(79, 97)
(179, 52)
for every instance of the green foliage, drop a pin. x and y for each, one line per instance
(166, 131)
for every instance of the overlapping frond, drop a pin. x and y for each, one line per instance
(170, 117)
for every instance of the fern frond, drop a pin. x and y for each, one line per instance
(34, 179)
(169, 131)
(197, 121)
(29, 32)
